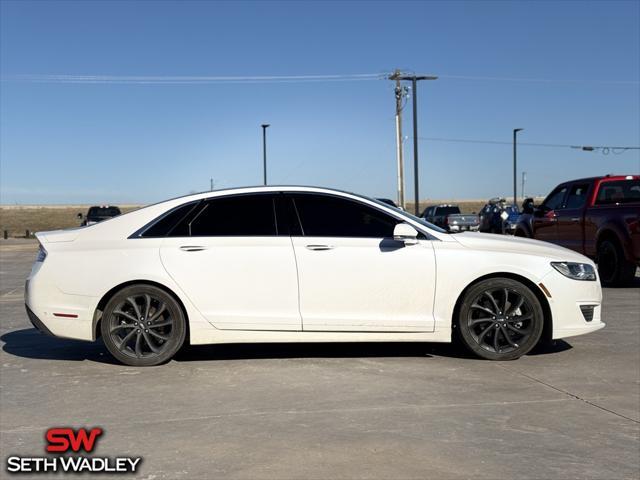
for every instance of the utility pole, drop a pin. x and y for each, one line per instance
(515, 165)
(414, 85)
(524, 179)
(211, 184)
(264, 151)
(401, 93)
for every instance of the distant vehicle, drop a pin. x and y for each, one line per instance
(598, 217)
(98, 214)
(388, 201)
(461, 222)
(450, 218)
(492, 218)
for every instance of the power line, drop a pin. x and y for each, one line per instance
(207, 79)
(605, 149)
(542, 80)
(188, 80)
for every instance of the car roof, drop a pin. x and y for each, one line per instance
(262, 188)
(602, 177)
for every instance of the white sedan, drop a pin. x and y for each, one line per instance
(302, 264)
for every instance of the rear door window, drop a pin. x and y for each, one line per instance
(237, 216)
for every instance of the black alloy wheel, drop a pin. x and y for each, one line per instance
(500, 319)
(143, 325)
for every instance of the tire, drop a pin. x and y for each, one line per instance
(614, 269)
(143, 325)
(520, 233)
(483, 322)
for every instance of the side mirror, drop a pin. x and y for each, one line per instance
(527, 206)
(403, 232)
(79, 216)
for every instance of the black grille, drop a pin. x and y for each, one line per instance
(587, 312)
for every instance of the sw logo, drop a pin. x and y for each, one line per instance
(66, 440)
(63, 439)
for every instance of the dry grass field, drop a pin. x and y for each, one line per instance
(35, 218)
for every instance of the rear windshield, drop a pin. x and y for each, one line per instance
(447, 210)
(103, 212)
(619, 191)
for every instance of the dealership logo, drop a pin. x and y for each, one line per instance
(67, 442)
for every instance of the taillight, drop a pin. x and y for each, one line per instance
(42, 254)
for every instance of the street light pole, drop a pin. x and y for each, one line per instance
(515, 165)
(264, 151)
(416, 183)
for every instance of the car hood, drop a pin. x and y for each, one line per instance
(527, 246)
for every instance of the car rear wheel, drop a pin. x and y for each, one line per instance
(614, 269)
(500, 319)
(143, 325)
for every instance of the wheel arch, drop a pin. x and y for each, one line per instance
(614, 233)
(97, 315)
(547, 329)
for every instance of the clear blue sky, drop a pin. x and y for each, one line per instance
(124, 143)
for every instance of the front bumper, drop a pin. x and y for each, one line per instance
(569, 300)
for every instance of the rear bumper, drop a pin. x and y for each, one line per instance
(59, 314)
(36, 322)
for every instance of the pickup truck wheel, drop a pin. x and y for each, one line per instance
(614, 269)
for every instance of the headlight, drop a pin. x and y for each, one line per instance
(577, 271)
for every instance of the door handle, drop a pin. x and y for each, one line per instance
(192, 248)
(320, 247)
(575, 219)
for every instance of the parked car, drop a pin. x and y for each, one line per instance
(450, 218)
(301, 264)
(492, 219)
(99, 214)
(461, 222)
(598, 217)
(389, 202)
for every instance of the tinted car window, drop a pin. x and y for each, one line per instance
(328, 216)
(447, 211)
(167, 223)
(103, 212)
(242, 215)
(621, 191)
(554, 201)
(577, 196)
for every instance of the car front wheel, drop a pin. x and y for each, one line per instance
(142, 325)
(500, 319)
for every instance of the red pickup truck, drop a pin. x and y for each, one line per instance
(598, 217)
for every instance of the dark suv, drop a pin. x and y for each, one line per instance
(98, 214)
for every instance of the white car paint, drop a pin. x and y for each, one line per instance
(284, 289)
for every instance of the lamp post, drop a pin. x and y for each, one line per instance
(264, 151)
(515, 165)
(414, 83)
